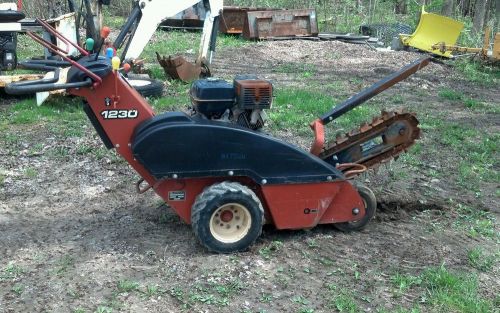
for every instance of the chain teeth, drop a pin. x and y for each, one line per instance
(378, 124)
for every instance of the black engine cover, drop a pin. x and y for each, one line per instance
(211, 97)
(174, 143)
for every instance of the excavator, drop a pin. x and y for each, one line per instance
(145, 18)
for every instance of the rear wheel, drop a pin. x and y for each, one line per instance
(370, 207)
(227, 217)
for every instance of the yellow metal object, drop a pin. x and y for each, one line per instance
(484, 52)
(115, 62)
(433, 29)
(496, 47)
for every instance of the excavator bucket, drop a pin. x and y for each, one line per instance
(179, 68)
(432, 29)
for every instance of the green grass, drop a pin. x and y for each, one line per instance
(478, 152)
(18, 289)
(294, 68)
(63, 110)
(215, 292)
(481, 261)
(11, 271)
(30, 172)
(450, 94)
(344, 302)
(126, 285)
(457, 96)
(475, 222)
(103, 309)
(478, 72)
(295, 109)
(64, 265)
(442, 290)
(27, 49)
(2, 178)
(271, 249)
(405, 282)
(179, 42)
(152, 291)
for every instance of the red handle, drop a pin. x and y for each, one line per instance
(105, 31)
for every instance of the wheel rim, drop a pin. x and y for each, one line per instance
(366, 207)
(230, 223)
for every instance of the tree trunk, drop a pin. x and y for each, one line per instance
(480, 12)
(465, 7)
(448, 6)
(401, 7)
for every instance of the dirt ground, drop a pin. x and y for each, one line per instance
(77, 238)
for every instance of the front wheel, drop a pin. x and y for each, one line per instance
(370, 207)
(227, 217)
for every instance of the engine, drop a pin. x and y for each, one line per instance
(9, 16)
(8, 57)
(243, 102)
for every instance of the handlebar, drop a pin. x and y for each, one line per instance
(39, 85)
(84, 73)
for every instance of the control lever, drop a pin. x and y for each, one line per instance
(89, 45)
(104, 34)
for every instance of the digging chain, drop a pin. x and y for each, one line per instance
(392, 146)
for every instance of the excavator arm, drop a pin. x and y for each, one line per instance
(153, 12)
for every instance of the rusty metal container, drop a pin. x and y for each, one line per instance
(233, 19)
(280, 23)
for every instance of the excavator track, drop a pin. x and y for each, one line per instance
(375, 143)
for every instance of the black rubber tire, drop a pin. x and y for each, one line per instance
(11, 16)
(151, 87)
(371, 206)
(214, 197)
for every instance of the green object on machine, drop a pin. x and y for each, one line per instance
(433, 29)
(89, 44)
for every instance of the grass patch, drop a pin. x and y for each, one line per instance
(152, 291)
(64, 264)
(451, 94)
(478, 152)
(17, 289)
(103, 309)
(126, 285)
(306, 69)
(341, 300)
(446, 291)
(405, 282)
(475, 222)
(212, 293)
(2, 178)
(479, 260)
(457, 96)
(180, 42)
(473, 103)
(30, 172)
(294, 109)
(27, 48)
(478, 72)
(62, 110)
(271, 249)
(11, 271)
